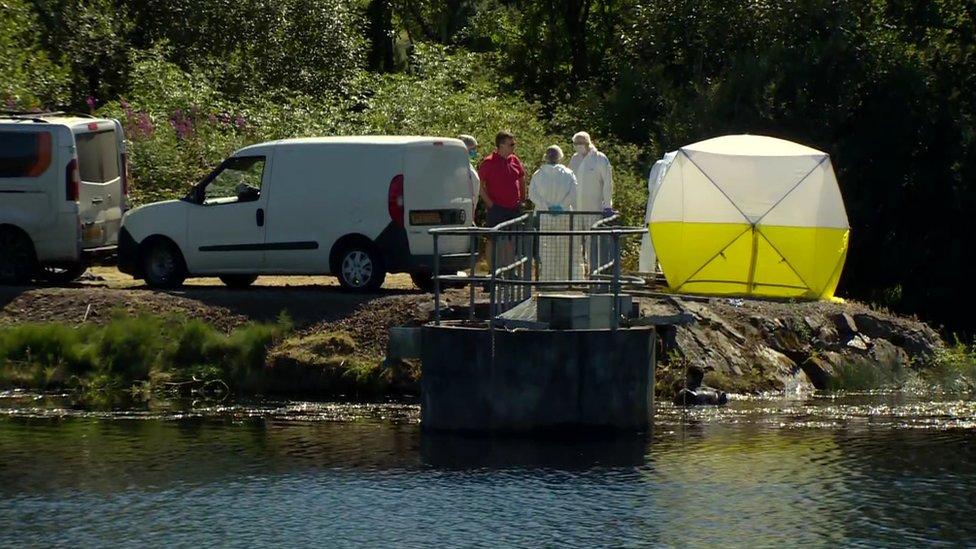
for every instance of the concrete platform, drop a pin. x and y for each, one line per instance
(536, 380)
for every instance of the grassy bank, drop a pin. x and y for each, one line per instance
(149, 354)
(144, 353)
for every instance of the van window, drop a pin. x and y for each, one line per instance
(24, 154)
(239, 180)
(98, 156)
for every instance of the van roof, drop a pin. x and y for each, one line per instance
(59, 119)
(355, 140)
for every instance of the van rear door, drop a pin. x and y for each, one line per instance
(101, 200)
(436, 193)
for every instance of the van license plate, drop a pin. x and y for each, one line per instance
(425, 218)
(95, 232)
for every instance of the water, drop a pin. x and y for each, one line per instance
(872, 470)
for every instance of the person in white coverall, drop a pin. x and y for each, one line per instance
(553, 186)
(552, 190)
(594, 176)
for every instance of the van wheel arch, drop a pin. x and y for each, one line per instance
(345, 242)
(150, 243)
(351, 242)
(29, 268)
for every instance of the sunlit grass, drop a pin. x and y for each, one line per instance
(148, 350)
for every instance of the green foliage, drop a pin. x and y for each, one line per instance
(90, 37)
(131, 350)
(953, 370)
(252, 47)
(28, 76)
(452, 92)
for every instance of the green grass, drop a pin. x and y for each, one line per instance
(332, 364)
(954, 369)
(145, 351)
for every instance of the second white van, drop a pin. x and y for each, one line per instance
(354, 207)
(62, 194)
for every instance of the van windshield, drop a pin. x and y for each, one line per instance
(98, 156)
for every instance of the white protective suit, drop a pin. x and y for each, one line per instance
(475, 182)
(553, 187)
(647, 261)
(594, 180)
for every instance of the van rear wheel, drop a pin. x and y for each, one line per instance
(18, 262)
(162, 265)
(238, 281)
(360, 269)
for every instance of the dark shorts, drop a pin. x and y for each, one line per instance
(498, 214)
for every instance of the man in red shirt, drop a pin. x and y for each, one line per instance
(502, 181)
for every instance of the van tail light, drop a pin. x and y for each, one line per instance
(125, 175)
(72, 181)
(395, 200)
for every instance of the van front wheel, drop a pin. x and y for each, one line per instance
(360, 269)
(162, 265)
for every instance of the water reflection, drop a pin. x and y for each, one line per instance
(450, 451)
(875, 469)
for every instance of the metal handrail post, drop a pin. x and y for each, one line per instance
(572, 227)
(494, 275)
(474, 265)
(615, 321)
(437, 284)
(532, 264)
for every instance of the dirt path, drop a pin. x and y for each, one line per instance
(307, 299)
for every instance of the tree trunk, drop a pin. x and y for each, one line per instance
(379, 15)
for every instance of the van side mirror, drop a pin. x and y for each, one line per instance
(247, 193)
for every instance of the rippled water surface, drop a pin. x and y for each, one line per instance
(878, 470)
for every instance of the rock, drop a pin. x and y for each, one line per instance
(845, 324)
(858, 342)
(820, 368)
(813, 324)
(890, 355)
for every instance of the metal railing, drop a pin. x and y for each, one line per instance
(512, 257)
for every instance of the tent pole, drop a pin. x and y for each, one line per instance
(750, 286)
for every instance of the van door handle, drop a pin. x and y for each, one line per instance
(97, 200)
(259, 215)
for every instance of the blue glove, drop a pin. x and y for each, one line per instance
(555, 208)
(607, 212)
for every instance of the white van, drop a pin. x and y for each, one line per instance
(62, 194)
(353, 207)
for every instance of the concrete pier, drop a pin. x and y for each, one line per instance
(536, 380)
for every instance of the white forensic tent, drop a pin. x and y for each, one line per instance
(750, 215)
